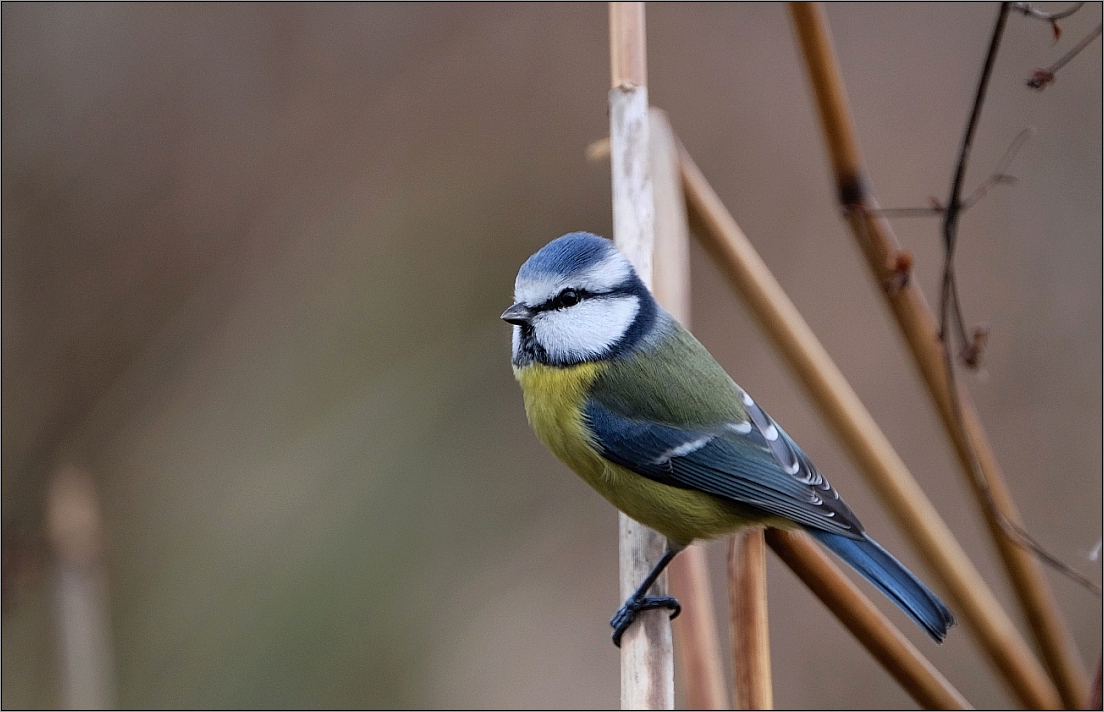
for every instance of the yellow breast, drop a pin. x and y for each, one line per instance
(554, 405)
(554, 400)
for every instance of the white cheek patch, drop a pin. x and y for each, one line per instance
(586, 329)
(598, 278)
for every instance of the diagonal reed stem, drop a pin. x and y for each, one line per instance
(869, 626)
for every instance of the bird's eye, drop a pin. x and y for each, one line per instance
(567, 298)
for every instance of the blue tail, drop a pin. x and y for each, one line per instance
(891, 578)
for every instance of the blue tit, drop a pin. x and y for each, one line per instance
(633, 403)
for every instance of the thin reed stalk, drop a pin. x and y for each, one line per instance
(747, 594)
(961, 421)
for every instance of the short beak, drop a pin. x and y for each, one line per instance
(518, 314)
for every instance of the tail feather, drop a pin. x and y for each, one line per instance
(891, 578)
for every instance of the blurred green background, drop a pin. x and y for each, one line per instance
(253, 261)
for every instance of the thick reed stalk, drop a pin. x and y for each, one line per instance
(862, 437)
(699, 650)
(647, 665)
(890, 270)
(869, 626)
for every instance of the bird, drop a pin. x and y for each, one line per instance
(629, 400)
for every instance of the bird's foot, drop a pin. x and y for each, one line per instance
(626, 614)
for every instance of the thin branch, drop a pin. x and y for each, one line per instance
(962, 424)
(931, 212)
(998, 177)
(1028, 10)
(949, 299)
(1041, 77)
(951, 309)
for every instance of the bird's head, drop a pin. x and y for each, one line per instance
(578, 299)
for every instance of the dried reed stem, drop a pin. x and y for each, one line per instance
(74, 527)
(968, 436)
(695, 633)
(863, 438)
(869, 626)
(747, 594)
(647, 665)
(628, 49)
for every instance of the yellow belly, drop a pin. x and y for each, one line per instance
(553, 402)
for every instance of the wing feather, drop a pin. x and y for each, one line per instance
(758, 465)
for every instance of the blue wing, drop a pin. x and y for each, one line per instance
(754, 462)
(750, 461)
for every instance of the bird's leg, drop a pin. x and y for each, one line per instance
(639, 602)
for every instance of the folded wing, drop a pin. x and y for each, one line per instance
(750, 461)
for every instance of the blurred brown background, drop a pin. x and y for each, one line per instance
(253, 261)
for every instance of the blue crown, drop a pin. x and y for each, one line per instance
(567, 255)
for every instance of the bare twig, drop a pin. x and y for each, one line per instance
(1028, 10)
(960, 420)
(951, 309)
(1041, 77)
(998, 177)
(949, 299)
(970, 353)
